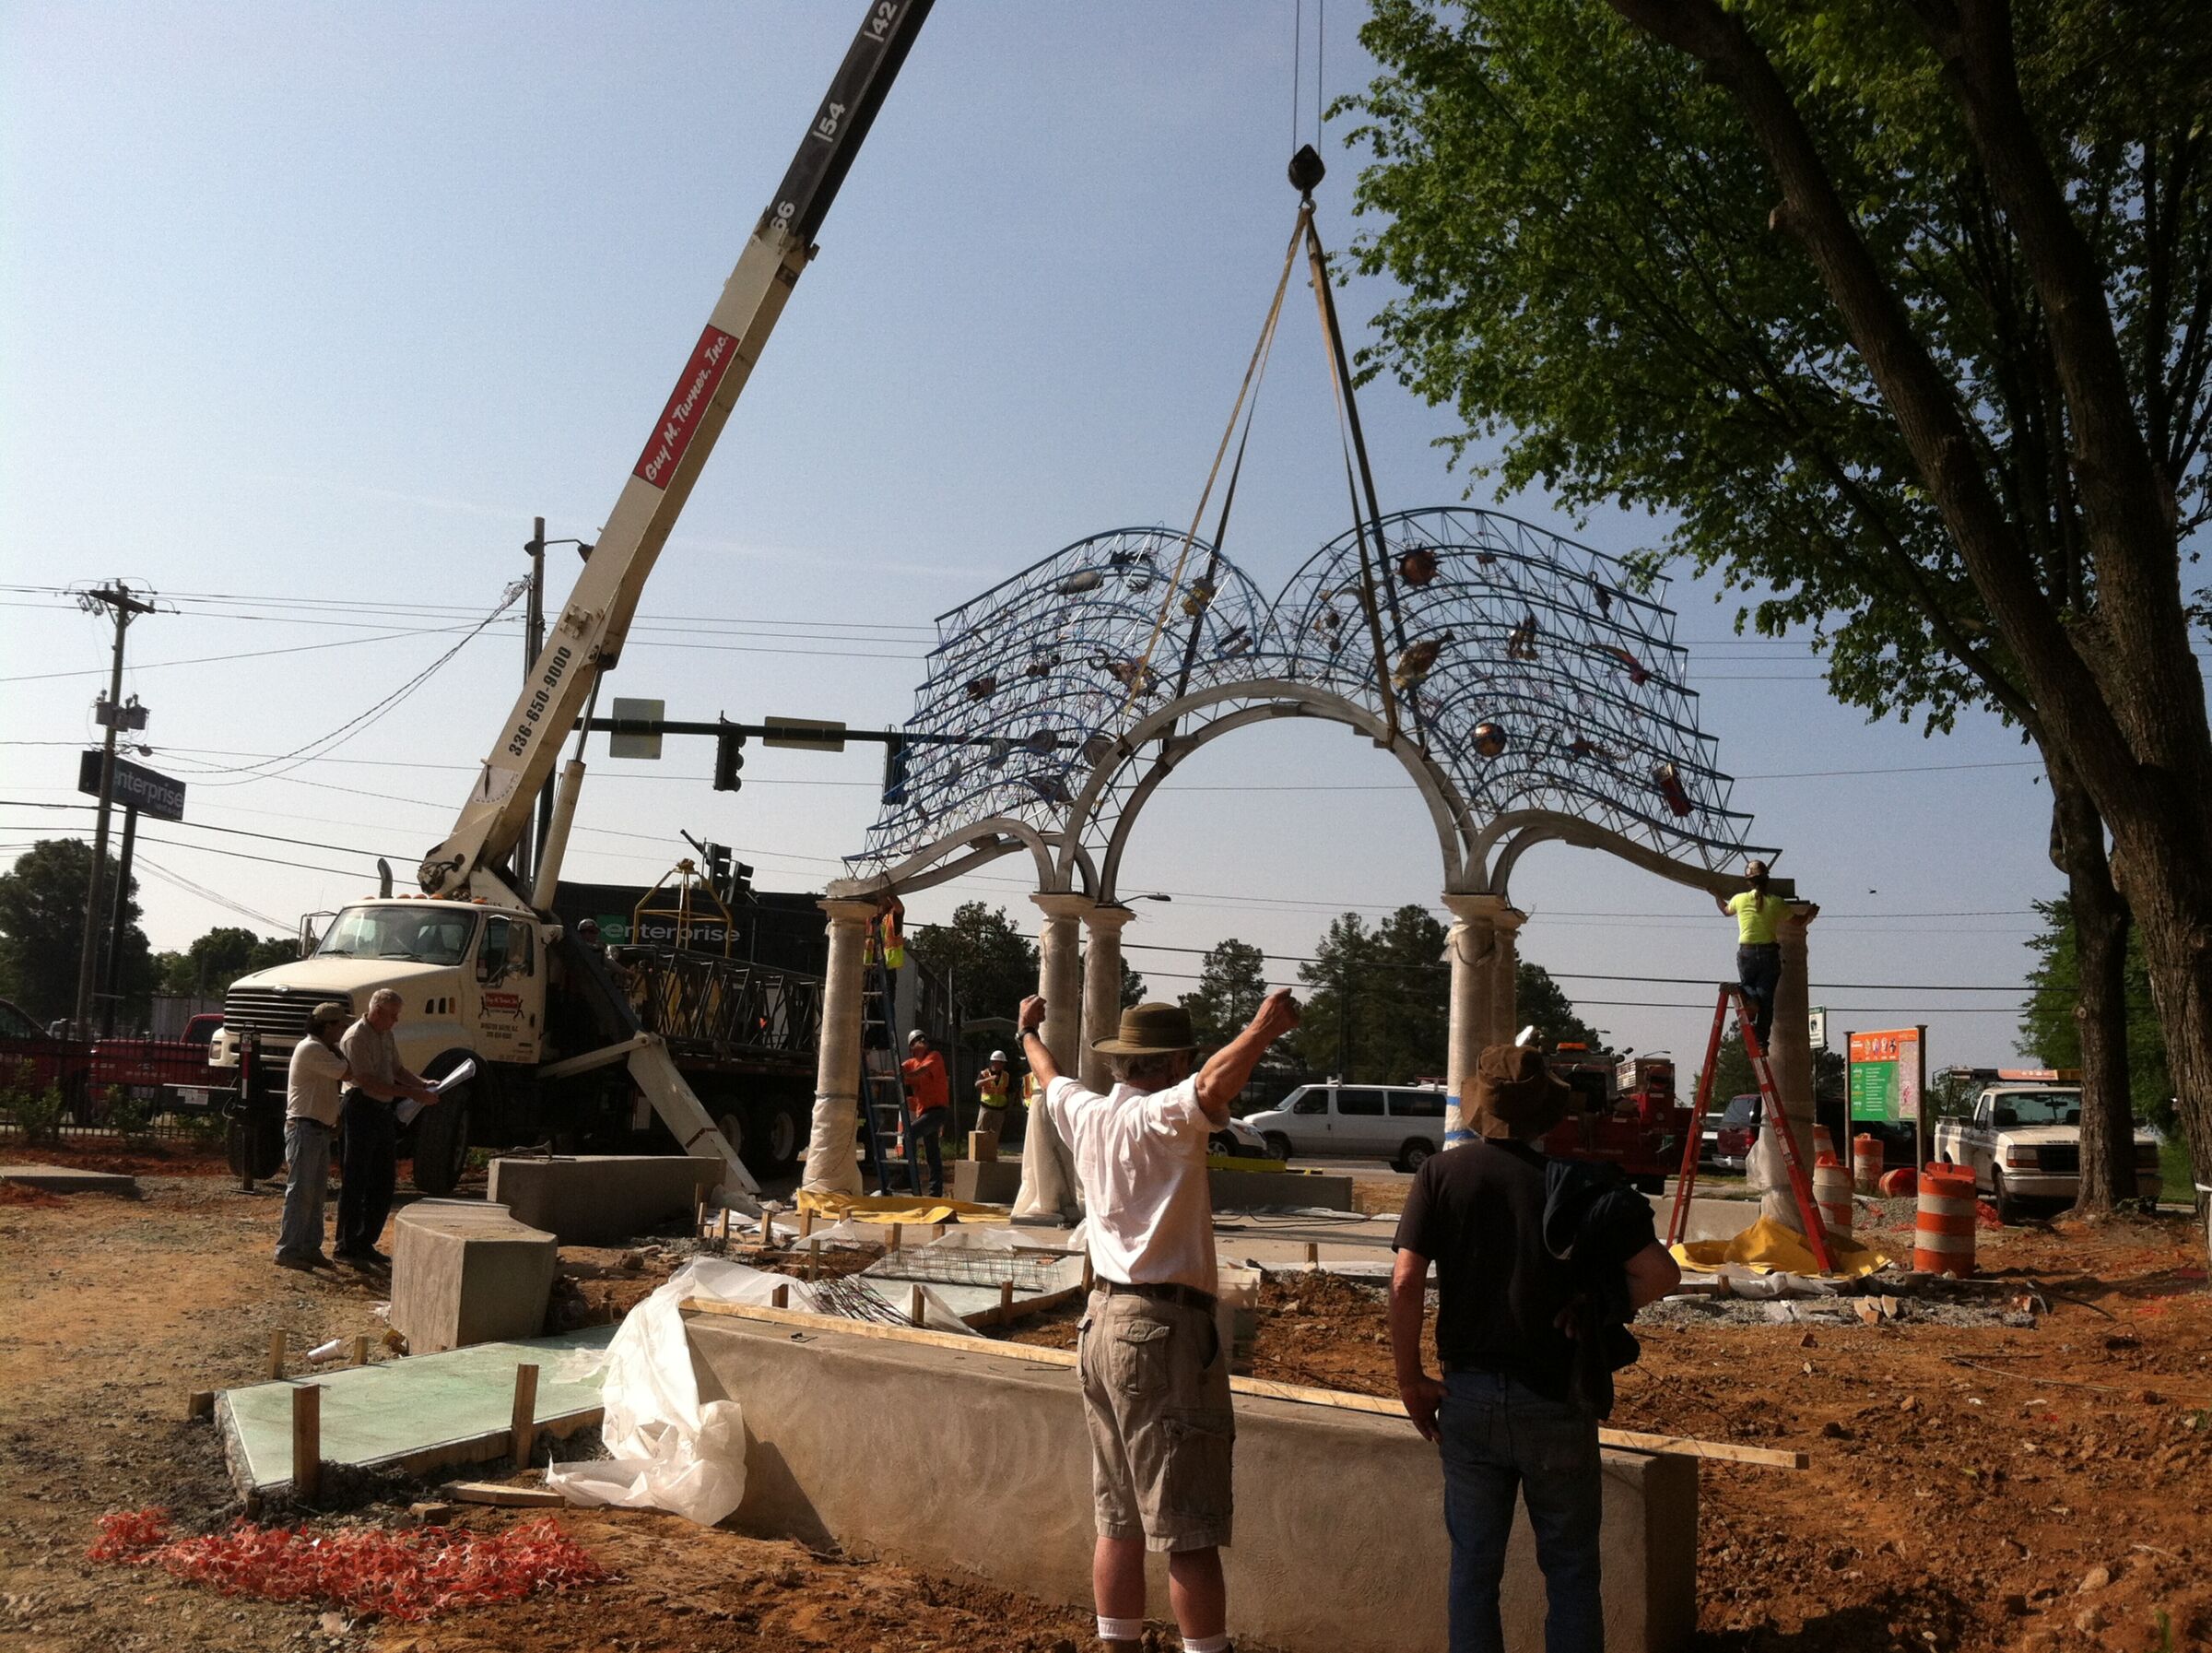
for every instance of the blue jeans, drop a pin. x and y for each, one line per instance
(307, 1174)
(1497, 1437)
(923, 1130)
(1759, 968)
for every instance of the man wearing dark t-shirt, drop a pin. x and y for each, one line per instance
(1504, 1414)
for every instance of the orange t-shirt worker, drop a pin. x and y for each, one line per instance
(926, 1087)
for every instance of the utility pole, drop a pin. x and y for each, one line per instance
(111, 984)
(117, 600)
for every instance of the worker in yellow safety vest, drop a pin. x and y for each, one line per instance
(993, 1088)
(887, 936)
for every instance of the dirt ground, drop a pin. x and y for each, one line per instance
(2028, 1487)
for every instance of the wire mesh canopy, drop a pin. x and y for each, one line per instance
(1530, 680)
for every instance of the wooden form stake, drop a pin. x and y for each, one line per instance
(726, 1225)
(814, 1260)
(361, 1350)
(276, 1341)
(1313, 1254)
(201, 1405)
(1005, 1300)
(780, 1297)
(521, 1432)
(898, 1235)
(937, 1231)
(307, 1442)
(914, 1305)
(768, 1230)
(805, 1220)
(699, 1218)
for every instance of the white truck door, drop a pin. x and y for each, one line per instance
(506, 992)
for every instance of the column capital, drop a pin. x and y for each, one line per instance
(1482, 908)
(848, 909)
(1064, 904)
(1106, 918)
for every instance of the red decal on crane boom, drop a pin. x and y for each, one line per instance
(679, 421)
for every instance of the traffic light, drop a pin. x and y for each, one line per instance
(718, 868)
(894, 770)
(729, 757)
(741, 881)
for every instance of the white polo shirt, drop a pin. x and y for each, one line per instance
(310, 1087)
(1141, 1159)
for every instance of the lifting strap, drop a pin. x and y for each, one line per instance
(1248, 390)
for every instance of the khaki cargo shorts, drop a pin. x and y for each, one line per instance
(1156, 1398)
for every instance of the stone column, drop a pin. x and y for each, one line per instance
(1505, 962)
(1469, 947)
(831, 1167)
(1791, 1057)
(1102, 989)
(1048, 1173)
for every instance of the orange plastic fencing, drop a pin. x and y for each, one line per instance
(407, 1575)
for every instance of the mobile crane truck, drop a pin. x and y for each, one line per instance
(565, 1048)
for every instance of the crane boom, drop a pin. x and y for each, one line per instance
(586, 640)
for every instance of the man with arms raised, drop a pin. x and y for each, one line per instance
(1155, 1374)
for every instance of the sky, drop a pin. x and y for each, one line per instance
(311, 311)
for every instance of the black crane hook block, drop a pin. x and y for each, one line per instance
(1306, 170)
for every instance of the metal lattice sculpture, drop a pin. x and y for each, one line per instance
(1531, 678)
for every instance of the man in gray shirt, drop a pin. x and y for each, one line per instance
(310, 1114)
(369, 1154)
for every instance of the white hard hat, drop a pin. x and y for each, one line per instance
(998, 1055)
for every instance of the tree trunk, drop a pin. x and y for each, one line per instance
(2108, 1126)
(2165, 876)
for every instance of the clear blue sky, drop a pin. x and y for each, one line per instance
(312, 310)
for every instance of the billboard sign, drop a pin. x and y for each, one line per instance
(136, 786)
(1884, 1076)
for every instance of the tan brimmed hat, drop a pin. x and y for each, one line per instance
(1150, 1029)
(1516, 1095)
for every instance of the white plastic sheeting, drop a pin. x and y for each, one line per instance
(668, 1448)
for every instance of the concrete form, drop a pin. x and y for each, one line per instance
(418, 1415)
(986, 1182)
(1262, 1190)
(601, 1198)
(1340, 1542)
(69, 1179)
(465, 1272)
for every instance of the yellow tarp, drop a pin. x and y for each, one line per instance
(896, 1208)
(1770, 1246)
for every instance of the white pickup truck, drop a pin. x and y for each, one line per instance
(2023, 1144)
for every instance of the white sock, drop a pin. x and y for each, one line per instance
(1121, 1630)
(1206, 1643)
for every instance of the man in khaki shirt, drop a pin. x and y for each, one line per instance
(311, 1113)
(370, 1157)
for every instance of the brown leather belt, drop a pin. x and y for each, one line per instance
(1189, 1296)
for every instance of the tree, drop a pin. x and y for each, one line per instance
(42, 930)
(1539, 1002)
(2050, 1032)
(219, 958)
(1232, 979)
(1133, 987)
(991, 963)
(1948, 400)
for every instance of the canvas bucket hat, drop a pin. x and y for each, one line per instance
(1150, 1029)
(1515, 1094)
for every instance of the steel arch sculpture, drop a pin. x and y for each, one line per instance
(1540, 694)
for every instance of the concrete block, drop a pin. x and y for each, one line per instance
(1250, 1191)
(70, 1179)
(1340, 1542)
(465, 1272)
(601, 1198)
(986, 1182)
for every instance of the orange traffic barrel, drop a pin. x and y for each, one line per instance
(1897, 1183)
(1823, 1142)
(1867, 1162)
(1832, 1193)
(1943, 1235)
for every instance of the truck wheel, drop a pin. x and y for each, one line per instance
(255, 1147)
(442, 1144)
(1278, 1145)
(2008, 1207)
(1414, 1154)
(777, 1135)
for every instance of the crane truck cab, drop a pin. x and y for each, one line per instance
(471, 980)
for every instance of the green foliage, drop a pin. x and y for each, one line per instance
(41, 929)
(219, 958)
(2050, 1034)
(1232, 979)
(991, 963)
(1378, 1006)
(129, 1116)
(1580, 221)
(1133, 987)
(38, 1114)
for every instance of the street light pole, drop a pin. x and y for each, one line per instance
(117, 600)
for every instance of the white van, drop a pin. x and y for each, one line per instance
(1404, 1123)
